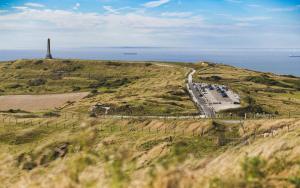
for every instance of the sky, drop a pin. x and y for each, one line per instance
(26, 24)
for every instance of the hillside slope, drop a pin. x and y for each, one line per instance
(71, 147)
(150, 153)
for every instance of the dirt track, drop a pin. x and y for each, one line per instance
(38, 102)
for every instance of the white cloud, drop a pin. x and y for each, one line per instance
(77, 29)
(254, 5)
(153, 4)
(22, 8)
(245, 24)
(29, 27)
(111, 10)
(36, 5)
(177, 14)
(253, 18)
(284, 9)
(76, 7)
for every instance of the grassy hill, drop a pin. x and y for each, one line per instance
(63, 148)
(149, 88)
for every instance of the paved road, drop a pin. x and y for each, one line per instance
(199, 101)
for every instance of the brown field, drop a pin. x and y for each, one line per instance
(38, 102)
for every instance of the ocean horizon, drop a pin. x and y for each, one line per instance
(278, 61)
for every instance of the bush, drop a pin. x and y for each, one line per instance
(254, 169)
(215, 78)
(113, 63)
(76, 88)
(266, 80)
(51, 114)
(104, 82)
(14, 86)
(38, 62)
(295, 181)
(37, 82)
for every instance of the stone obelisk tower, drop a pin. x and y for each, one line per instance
(48, 56)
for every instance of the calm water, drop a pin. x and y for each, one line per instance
(267, 60)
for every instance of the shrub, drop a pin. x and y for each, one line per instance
(295, 181)
(37, 82)
(14, 86)
(51, 114)
(76, 88)
(104, 82)
(266, 80)
(38, 62)
(215, 78)
(254, 171)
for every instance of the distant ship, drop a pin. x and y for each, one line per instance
(294, 56)
(130, 53)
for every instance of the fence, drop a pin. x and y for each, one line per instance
(72, 121)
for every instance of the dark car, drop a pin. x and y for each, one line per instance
(224, 94)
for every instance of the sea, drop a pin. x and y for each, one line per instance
(279, 61)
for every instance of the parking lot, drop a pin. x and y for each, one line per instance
(218, 97)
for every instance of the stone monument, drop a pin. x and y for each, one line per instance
(48, 56)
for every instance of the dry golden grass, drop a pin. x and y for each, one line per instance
(119, 153)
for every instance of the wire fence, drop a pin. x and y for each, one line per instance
(73, 121)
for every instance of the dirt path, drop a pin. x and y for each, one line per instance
(38, 102)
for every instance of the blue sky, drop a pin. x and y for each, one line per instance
(158, 23)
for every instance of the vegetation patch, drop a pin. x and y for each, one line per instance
(266, 80)
(37, 82)
(152, 143)
(30, 160)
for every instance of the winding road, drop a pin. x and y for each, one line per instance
(204, 109)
